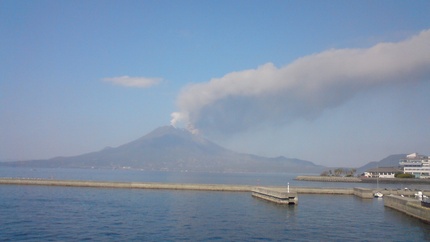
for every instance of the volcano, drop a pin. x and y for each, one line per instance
(173, 149)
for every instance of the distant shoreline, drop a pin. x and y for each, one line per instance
(361, 180)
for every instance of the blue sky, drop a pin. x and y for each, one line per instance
(339, 83)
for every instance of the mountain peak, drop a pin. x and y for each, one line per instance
(167, 148)
(167, 130)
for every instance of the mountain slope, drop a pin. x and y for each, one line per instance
(171, 149)
(389, 161)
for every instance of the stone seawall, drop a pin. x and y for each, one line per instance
(409, 206)
(328, 179)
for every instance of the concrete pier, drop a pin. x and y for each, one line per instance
(276, 196)
(410, 206)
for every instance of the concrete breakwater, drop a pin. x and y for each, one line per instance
(409, 206)
(361, 192)
(360, 179)
(396, 180)
(328, 179)
(135, 185)
(321, 190)
(276, 196)
(170, 186)
(391, 199)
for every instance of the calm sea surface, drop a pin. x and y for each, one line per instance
(38, 213)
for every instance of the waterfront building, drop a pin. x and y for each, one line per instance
(382, 172)
(417, 165)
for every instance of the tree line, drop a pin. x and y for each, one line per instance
(340, 172)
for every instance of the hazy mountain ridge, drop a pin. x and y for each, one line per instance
(389, 161)
(172, 149)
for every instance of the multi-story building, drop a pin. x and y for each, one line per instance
(417, 165)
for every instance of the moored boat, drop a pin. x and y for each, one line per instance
(425, 201)
(378, 194)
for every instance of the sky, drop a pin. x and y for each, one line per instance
(338, 83)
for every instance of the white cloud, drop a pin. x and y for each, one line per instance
(127, 81)
(302, 89)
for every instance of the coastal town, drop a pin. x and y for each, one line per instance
(412, 166)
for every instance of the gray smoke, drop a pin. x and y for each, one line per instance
(302, 89)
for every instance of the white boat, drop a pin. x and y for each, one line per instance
(419, 195)
(378, 195)
(425, 201)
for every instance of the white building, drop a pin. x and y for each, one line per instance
(417, 165)
(382, 172)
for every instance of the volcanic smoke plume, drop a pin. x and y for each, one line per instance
(301, 89)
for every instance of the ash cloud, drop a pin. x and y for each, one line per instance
(302, 89)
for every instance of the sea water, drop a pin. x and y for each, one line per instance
(42, 213)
